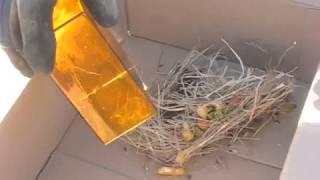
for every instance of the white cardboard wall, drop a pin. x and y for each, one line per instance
(272, 24)
(32, 129)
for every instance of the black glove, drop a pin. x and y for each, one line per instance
(26, 31)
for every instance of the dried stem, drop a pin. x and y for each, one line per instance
(249, 101)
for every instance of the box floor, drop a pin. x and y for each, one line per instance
(80, 156)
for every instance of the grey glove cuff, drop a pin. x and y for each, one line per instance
(5, 37)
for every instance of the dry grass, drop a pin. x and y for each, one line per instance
(205, 106)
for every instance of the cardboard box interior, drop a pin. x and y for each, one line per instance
(273, 24)
(43, 137)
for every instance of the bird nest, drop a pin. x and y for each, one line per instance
(205, 105)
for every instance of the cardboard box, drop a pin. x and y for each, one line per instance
(43, 137)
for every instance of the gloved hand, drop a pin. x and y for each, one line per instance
(26, 31)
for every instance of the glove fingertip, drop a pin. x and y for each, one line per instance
(38, 38)
(39, 51)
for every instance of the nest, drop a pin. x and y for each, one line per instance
(207, 103)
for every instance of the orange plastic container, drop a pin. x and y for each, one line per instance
(91, 75)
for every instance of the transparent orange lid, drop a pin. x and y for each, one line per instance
(92, 76)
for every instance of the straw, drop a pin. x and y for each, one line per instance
(241, 103)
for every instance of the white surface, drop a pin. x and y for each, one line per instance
(12, 84)
(273, 24)
(32, 129)
(145, 55)
(81, 143)
(304, 154)
(62, 167)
